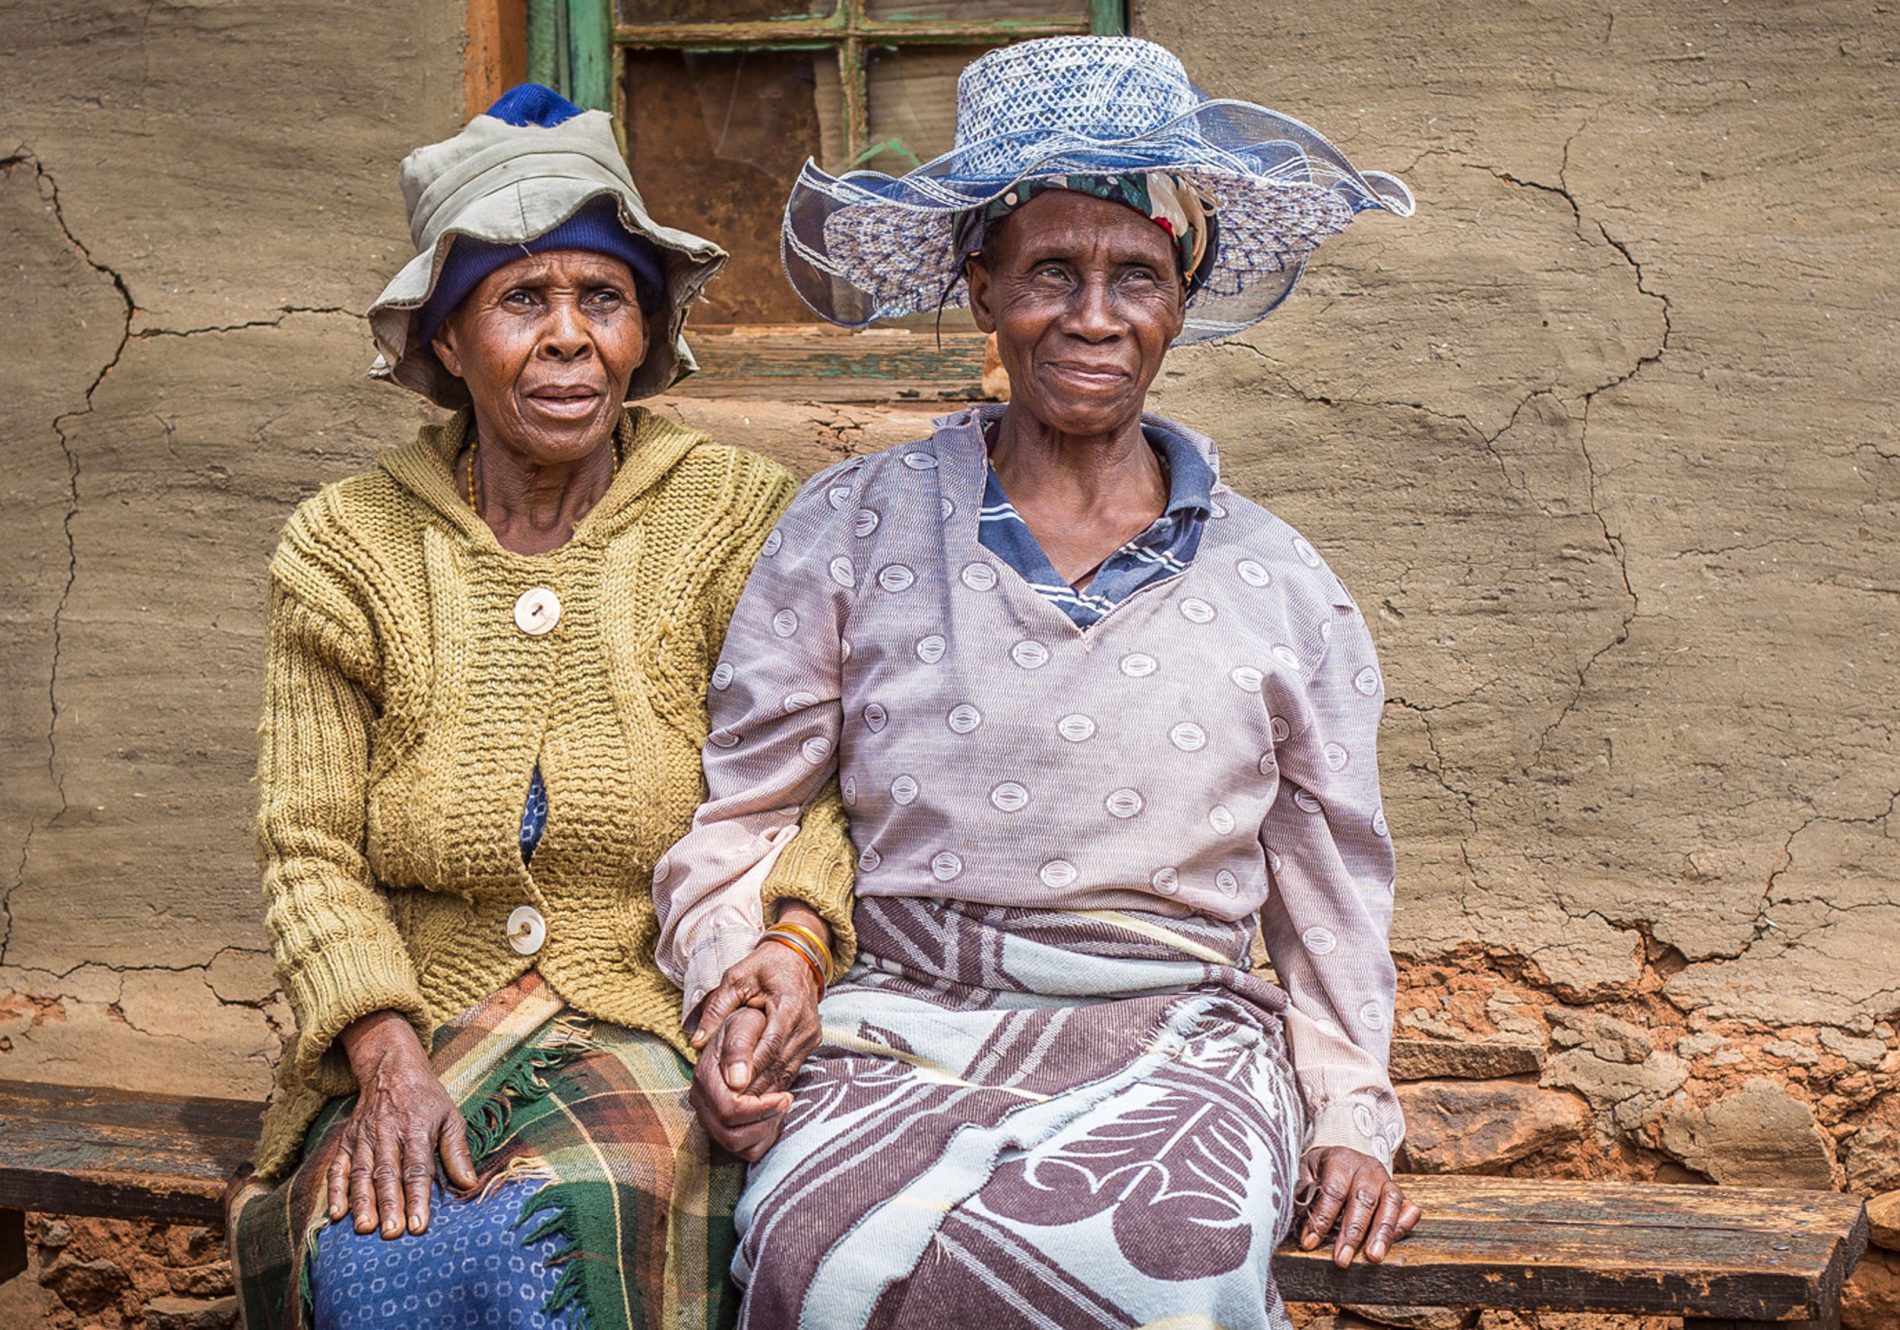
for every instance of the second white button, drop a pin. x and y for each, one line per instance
(527, 930)
(537, 611)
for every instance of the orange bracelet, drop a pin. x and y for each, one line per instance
(799, 951)
(817, 943)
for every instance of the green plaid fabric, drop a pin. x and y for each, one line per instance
(598, 1113)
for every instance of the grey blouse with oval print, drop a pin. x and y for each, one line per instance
(1207, 748)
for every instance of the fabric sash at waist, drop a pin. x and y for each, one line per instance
(1038, 955)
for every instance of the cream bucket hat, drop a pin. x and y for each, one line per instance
(523, 168)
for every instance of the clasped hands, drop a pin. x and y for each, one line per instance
(753, 1033)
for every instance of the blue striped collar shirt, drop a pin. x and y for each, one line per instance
(1161, 552)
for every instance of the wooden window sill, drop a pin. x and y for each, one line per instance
(817, 363)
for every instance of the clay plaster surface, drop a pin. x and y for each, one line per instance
(1602, 439)
(192, 196)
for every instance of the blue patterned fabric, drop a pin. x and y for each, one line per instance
(1163, 551)
(534, 815)
(470, 1271)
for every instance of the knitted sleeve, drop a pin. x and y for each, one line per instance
(819, 868)
(1329, 903)
(775, 712)
(337, 948)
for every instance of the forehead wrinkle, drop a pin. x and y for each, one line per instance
(570, 265)
(1119, 240)
(1125, 247)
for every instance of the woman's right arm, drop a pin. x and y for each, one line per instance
(361, 1017)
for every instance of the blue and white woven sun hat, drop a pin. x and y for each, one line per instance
(866, 245)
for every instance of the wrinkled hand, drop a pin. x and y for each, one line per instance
(754, 1032)
(1356, 1192)
(385, 1159)
(744, 1123)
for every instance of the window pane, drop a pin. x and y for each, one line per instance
(715, 139)
(646, 13)
(974, 11)
(912, 100)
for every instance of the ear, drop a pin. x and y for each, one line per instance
(443, 344)
(977, 274)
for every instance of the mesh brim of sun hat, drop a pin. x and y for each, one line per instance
(510, 184)
(867, 245)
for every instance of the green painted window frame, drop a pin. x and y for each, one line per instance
(575, 47)
(571, 49)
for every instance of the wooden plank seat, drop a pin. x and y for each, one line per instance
(1722, 1257)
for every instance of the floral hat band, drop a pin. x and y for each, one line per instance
(1164, 199)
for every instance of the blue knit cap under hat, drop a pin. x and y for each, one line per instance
(533, 173)
(595, 227)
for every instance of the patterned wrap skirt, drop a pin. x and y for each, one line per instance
(601, 1205)
(1023, 1118)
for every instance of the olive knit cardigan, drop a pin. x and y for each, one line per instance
(405, 711)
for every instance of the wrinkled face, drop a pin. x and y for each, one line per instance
(546, 346)
(1084, 296)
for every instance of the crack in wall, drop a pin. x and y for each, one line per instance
(1468, 798)
(102, 986)
(283, 312)
(1620, 551)
(1763, 923)
(1613, 540)
(1488, 441)
(22, 156)
(48, 189)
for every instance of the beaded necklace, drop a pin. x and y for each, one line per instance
(474, 447)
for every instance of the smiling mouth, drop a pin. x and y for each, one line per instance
(1089, 373)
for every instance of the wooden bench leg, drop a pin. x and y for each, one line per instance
(12, 1243)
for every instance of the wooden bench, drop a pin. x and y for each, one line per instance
(1721, 1257)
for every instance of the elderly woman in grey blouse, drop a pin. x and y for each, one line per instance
(1096, 716)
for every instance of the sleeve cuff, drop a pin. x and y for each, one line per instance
(1367, 1122)
(332, 988)
(708, 965)
(816, 869)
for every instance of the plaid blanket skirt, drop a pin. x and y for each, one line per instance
(591, 1162)
(1023, 1118)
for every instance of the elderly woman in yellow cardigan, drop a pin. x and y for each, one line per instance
(485, 701)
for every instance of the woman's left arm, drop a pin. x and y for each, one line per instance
(770, 839)
(762, 834)
(1326, 923)
(815, 873)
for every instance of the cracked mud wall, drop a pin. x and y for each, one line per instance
(1602, 439)
(192, 195)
